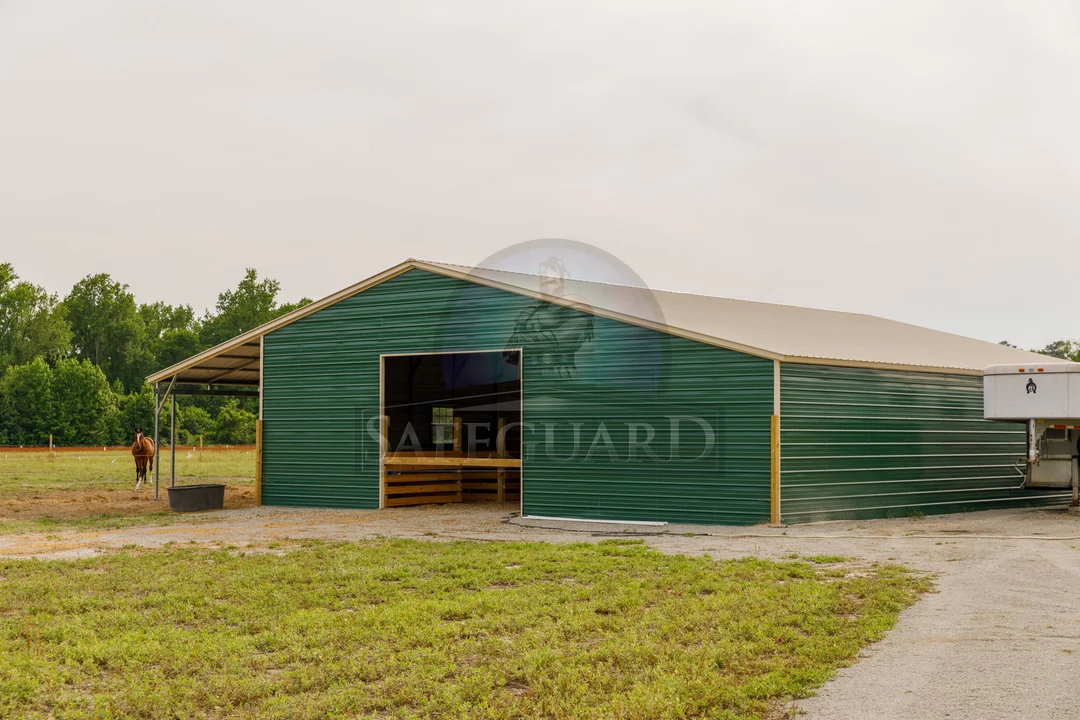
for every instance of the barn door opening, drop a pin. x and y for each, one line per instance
(451, 426)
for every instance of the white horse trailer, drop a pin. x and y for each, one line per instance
(1047, 398)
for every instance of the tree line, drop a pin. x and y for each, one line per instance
(75, 367)
(1061, 349)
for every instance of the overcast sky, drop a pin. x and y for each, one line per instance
(916, 160)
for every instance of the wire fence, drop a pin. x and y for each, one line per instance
(114, 448)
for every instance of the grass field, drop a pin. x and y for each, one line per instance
(400, 628)
(23, 472)
(43, 491)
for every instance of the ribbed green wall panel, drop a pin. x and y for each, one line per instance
(321, 402)
(861, 443)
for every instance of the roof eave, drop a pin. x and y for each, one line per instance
(276, 323)
(871, 365)
(411, 264)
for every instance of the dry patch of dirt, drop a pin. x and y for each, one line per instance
(72, 504)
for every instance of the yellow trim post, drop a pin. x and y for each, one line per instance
(384, 446)
(774, 470)
(258, 461)
(500, 474)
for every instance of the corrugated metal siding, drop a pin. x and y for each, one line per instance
(875, 443)
(722, 479)
(321, 389)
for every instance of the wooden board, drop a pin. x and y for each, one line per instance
(427, 477)
(428, 488)
(423, 500)
(409, 477)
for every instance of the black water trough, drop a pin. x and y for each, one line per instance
(196, 498)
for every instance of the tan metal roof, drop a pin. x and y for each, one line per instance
(237, 364)
(779, 332)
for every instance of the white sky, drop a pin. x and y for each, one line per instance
(916, 160)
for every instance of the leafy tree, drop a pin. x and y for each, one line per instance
(27, 396)
(196, 422)
(1064, 349)
(234, 425)
(32, 322)
(159, 318)
(287, 308)
(249, 306)
(107, 329)
(174, 346)
(85, 408)
(76, 368)
(137, 411)
(253, 303)
(172, 334)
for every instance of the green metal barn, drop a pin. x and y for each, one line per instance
(433, 383)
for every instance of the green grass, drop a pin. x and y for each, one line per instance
(27, 472)
(411, 629)
(36, 481)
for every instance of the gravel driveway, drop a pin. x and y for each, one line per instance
(1000, 638)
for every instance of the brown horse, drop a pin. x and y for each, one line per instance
(143, 451)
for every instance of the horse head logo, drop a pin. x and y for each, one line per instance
(1032, 388)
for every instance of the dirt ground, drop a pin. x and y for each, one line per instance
(69, 504)
(1000, 638)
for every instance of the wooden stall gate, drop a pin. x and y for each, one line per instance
(446, 476)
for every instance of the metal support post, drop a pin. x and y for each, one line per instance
(172, 443)
(157, 428)
(157, 465)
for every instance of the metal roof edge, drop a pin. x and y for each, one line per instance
(442, 269)
(673, 292)
(280, 322)
(600, 312)
(698, 337)
(875, 365)
(452, 271)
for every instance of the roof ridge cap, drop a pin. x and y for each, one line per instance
(659, 290)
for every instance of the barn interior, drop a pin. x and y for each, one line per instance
(451, 428)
